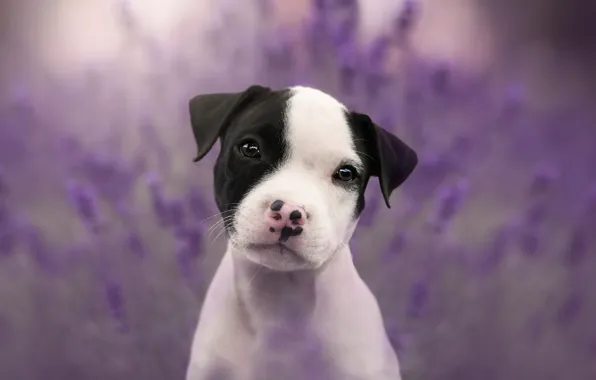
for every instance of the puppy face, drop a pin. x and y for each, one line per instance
(292, 171)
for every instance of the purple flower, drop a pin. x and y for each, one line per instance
(406, 18)
(397, 244)
(39, 248)
(176, 213)
(440, 78)
(85, 203)
(569, 309)
(496, 250)
(341, 19)
(418, 298)
(115, 301)
(450, 199)
(110, 178)
(378, 51)
(194, 240)
(576, 247)
(460, 150)
(530, 241)
(158, 201)
(320, 5)
(135, 244)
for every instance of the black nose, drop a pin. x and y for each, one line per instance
(295, 215)
(287, 233)
(277, 205)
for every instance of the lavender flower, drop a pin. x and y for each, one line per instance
(39, 248)
(342, 20)
(194, 239)
(576, 248)
(406, 18)
(450, 199)
(440, 78)
(418, 298)
(530, 241)
(569, 309)
(496, 250)
(115, 302)
(111, 180)
(135, 244)
(320, 5)
(85, 203)
(396, 244)
(158, 201)
(175, 208)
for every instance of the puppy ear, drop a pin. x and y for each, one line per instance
(392, 160)
(210, 114)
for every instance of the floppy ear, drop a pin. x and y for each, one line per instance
(210, 114)
(393, 160)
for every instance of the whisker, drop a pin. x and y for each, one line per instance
(365, 154)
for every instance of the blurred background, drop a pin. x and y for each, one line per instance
(484, 267)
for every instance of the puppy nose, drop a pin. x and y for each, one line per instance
(285, 218)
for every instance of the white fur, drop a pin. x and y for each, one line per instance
(263, 319)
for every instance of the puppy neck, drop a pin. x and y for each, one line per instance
(285, 301)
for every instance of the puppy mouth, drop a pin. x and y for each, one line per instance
(279, 246)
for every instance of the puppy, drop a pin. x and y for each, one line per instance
(286, 301)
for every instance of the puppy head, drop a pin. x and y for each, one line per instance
(292, 170)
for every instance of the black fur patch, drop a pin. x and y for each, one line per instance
(235, 174)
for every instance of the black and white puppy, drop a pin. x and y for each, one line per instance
(286, 301)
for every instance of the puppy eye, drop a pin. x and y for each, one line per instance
(345, 174)
(250, 149)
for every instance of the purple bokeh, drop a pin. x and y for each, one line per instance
(485, 261)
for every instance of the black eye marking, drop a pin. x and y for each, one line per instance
(250, 149)
(345, 173)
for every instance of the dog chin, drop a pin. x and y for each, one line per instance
(278, 257)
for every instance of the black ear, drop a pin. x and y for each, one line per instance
(210, 114)
(392, 160)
